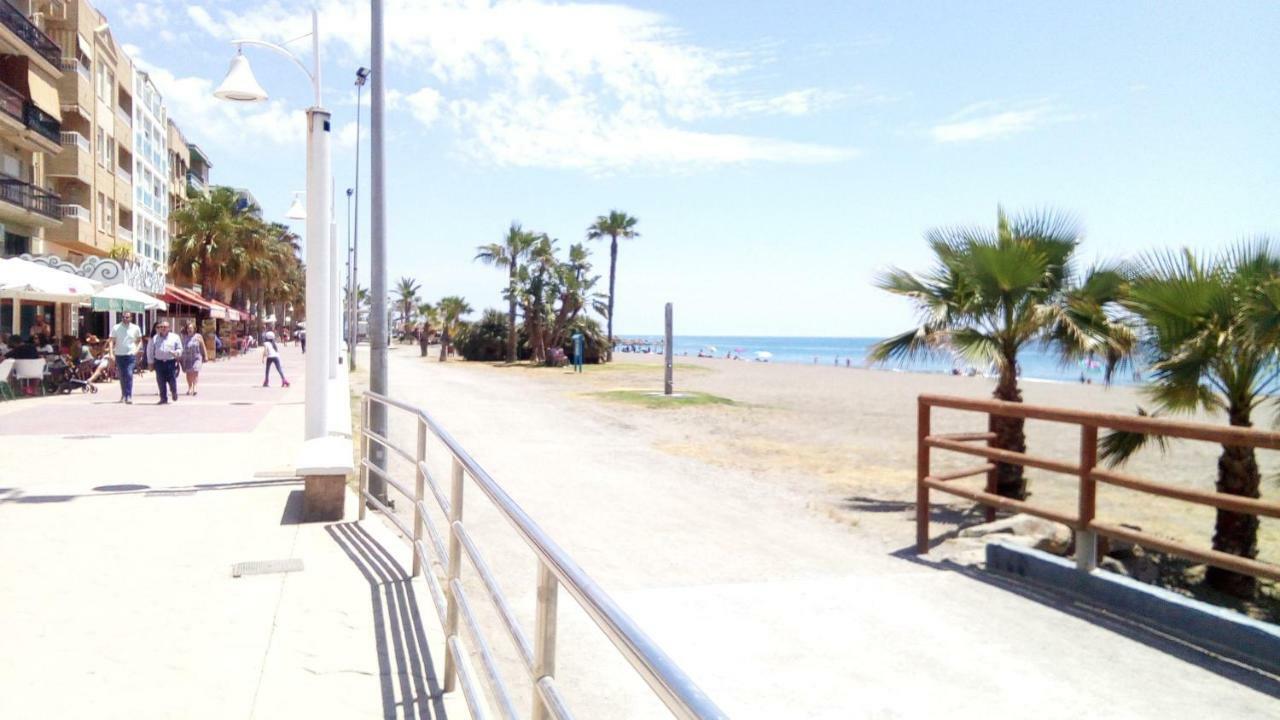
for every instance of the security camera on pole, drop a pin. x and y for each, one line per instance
(241, 86)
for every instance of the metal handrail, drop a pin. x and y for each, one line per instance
(555, 569)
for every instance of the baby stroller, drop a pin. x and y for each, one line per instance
(63, 378)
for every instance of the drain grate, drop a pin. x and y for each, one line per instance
(85, 437)
(266, 567)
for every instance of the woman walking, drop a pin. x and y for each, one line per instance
(271, 356)
(194, 354)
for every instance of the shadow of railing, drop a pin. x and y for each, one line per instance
(407, 675)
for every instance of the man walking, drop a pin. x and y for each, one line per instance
(163, 352)
(124, 340)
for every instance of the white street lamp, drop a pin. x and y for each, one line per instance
(241, 86)
(296, 210)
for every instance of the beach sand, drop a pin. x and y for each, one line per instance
(845, 438)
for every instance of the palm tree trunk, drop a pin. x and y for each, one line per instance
(1236, 533)
(444, 343)
(511, 315)
(1009, 433)
(613, 272)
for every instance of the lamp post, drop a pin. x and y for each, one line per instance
(362, 74)
(241, 86)
(377, 248)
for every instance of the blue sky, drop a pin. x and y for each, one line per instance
(777, 154)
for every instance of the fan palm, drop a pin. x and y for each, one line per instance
(993, 293)
(451, 309)
(206, 232)
(509, 254)
(613, 226)
(407, 298)
(1212, 327)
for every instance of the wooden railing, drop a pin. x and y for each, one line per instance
(1087, 528)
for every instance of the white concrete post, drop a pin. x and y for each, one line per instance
(319, 341)
(335, 314)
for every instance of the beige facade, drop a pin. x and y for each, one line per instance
(179, 166)
(94, 173)
(30, 138)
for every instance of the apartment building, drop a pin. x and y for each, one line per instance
(30, 127)
(179, 166)
(150, 173)
(93, 175)
(198, 176)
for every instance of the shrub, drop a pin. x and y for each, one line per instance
(484, 339)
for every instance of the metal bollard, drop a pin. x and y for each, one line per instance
(455, 570)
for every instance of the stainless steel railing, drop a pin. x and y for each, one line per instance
(555, 570)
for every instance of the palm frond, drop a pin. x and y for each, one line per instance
(1117, 446)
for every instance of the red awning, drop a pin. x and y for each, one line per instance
(230, 313)
(182, 296)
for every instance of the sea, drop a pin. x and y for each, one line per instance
(1036, 363)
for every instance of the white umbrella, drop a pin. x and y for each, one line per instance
(122, 297)
(24, 280)
(763, 355)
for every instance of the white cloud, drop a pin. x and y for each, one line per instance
(989, 120)
(583, 77)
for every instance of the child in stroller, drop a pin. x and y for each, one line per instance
(65, 377)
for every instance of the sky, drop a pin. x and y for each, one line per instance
(778, 155)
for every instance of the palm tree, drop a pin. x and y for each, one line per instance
(1212, 328)
(613, 226)
(451, 310)
(407, 298)
(430, 317)
(206, 232)
(992, 294)
(509, 254)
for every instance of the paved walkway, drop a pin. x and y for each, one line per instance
(120, 526)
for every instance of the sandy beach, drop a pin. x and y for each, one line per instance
(845, 438)
(766, 544)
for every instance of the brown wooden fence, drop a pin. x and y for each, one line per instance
(1086, 527)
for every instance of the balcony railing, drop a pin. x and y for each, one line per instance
(195, 181)
(25, 195)
(75, 139)
(12, 18)
(124, 234)
(124, 116)
(11, 102)
(42, 122)
(78, 212)
(70, 64)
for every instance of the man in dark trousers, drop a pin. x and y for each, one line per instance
(164, 351)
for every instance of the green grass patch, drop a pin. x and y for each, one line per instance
(655, 399)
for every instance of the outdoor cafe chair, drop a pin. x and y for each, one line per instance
(6, 369)
(27, 370)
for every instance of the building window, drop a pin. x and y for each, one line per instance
(111, 213)
(16, 244)
(102, 212)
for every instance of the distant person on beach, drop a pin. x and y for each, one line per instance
(847, 363)
(578, 342)
(125, 337)
(194, 354)
(163, 353)
(270, 357)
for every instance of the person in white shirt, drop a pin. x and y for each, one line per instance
(163, 353)
(124, 340)
(271, 356)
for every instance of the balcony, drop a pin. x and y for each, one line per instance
(70, 64)
(124, 117)
(75, 212)
(124, 235)
(42, 122)
(17, 23)
(21, 201)
(11, 102)
(75, 139)
(124, 175)
(196, 183)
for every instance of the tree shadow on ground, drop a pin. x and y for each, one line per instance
(405, 666)
(1128, 625)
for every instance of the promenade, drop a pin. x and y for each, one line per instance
(120, 527)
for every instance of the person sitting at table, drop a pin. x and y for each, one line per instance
(102, 365)
(25, 351)
(4, 344)
(46, 347)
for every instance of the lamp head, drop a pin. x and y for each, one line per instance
(240, 85)
(297, 211)
(362, 74)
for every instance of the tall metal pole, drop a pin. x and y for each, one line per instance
(377, 255)
(351, 347)
(318, 258)
(669, 352)
(355, 235)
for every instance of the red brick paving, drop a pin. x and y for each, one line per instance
(231, 400)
